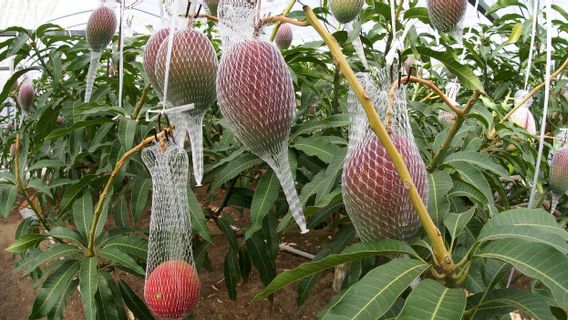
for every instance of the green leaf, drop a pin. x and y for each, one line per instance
(83, 213)
(53, 287)
(478, 160)
(126, 132)
(463, 72)
(77, 125)
(504, 301)
(317, 147)
(47, 163)
(140, 193)
(24, 242)
(198, 221)
(455, 222)
(377, 291)
(73, 191)
(52, 252)
(343, 237)
(134, 303)
(121, 213)
(526, 233)
(7, 199)
(536, 218)
(535, 260)
(110, 305)
(332, 171)
(66, 234)
(234, 168)
(224, 224)
(57, 310)
(439, 183)
(431, 300)
(134, 246)
(316, 124)
(88, 285)
(515, 33)
(258, 251)
(121, 260)
(231, 273)
(355, 252)
(264, 197)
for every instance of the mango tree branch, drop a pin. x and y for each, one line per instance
(432, 87)
(22, 188)
(284, 14)
(455, 128)
(105, 192)
(281, 19)
(140, 102)
(442, 256)
(534, 91)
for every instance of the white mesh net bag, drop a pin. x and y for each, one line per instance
(447, 118)
(172, 286)
(523, 116)
(447, 15)
(100, 28)
(373, 193)
(192, 69)
(256, 96)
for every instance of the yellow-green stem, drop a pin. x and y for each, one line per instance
(440, 251)
(140, 102)
(104, 193)
(457, 125)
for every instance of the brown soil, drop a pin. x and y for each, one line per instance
(18, 293)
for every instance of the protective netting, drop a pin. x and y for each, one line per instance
(150, 54)
(256, 96)
(101, 26)
(523, 116)
(373, 193)
(26, 96)
(345, 11)
(192, 72)
(447, 15)
(284, 36)
(560, 139)
(172, 286)
(236, 22)
(452, 90)
(558, 176)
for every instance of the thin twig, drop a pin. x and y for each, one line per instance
(105, 192)
(140, 101)
(455, 128)
(534, 91)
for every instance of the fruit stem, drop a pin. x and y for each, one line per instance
(535, 90)
(99, 208)
(440, 251)
(455, 128)
(284, 14)
(428, 84)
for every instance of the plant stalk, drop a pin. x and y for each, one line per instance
(455, 128)
(440, 251)
(284, 14)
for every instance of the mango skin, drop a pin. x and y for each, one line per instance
(101, 26)
(345, 11)
(374, 195)
(446, 15)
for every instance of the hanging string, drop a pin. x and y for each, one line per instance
(549, 14)
(121, 55)
(531, 49)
